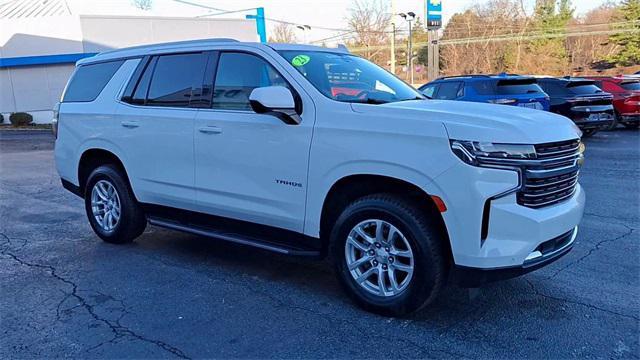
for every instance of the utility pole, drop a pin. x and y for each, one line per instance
(393, 37)
(410, 16)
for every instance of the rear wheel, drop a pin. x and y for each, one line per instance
(388, 255)
(112, 210)
(589, 132)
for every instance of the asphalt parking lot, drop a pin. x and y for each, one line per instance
(65, 293)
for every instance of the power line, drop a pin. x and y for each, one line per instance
(507, 38)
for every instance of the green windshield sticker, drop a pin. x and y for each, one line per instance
(300, 60)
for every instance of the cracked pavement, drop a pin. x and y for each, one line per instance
(64, 293)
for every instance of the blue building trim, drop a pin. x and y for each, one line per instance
(42, 60)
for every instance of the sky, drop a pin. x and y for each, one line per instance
(315, 13)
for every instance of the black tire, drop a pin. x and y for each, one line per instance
(632, 125)
(589, 132)
(424, 237)
(132, 220)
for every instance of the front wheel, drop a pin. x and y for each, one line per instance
(388, 255)
(112, 210)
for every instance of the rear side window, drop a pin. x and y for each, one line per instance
(173, 79)
(237, 75)
(483, 87)
(449, 90)
(89, 80)
(518, 87)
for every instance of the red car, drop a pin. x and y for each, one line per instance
(626, 98)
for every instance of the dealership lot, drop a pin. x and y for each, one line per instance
(65, 293)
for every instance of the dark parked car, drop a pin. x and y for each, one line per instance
(581, 101)
(501, 89)
(626, 98)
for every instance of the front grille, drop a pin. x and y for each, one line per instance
(553, 178)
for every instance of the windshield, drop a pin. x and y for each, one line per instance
(349, 78)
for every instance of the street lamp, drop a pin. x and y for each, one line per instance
(409, 17)
(304, 29)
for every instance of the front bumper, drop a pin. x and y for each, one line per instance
(510, 232)
(546, 254)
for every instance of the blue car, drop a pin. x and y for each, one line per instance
(502, 89)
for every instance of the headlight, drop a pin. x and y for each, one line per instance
(475, 152)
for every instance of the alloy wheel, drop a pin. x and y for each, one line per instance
(379, 258)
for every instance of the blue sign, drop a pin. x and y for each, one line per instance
(434, 14)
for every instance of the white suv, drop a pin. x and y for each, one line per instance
(311, 151)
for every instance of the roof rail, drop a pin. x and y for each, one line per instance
(463, 76)
(174, 43)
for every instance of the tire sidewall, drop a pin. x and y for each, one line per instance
(424, 284)
(110, 174)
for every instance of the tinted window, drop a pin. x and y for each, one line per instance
(635, 86)
(140, 94)
(448, 91)
(89, 80)
(554, 89)
(237, 75)
(584, 89)
(518, 87)
(429, 90)
(483, 87)
(174, 77)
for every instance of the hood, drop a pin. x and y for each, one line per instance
(484, 122)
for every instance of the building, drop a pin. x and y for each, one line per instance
(40, 41)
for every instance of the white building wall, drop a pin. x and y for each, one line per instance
(36, 89)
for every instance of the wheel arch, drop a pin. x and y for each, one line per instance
(92, 158)
(351, 187)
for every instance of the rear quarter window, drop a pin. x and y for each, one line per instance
(88, 81)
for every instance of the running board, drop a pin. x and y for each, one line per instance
(233, 238)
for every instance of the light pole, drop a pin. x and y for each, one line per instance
(304, 29)
(410, 16)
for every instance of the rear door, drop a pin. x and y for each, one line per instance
(156, 128)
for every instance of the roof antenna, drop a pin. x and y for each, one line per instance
(344, 48)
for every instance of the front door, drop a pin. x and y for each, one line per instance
(249, 166)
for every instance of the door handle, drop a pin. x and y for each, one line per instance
(210, 130)
(130, 124)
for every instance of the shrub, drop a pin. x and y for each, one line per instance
(20, 119)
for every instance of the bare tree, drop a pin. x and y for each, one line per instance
(283, 33)
(369, 20)
(142, 4)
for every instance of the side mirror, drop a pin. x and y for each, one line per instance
(277, 101)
